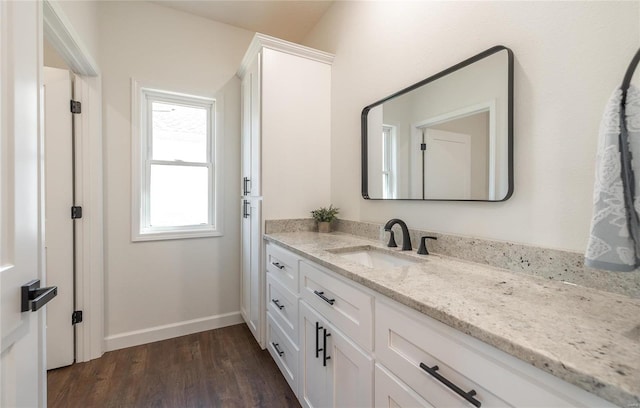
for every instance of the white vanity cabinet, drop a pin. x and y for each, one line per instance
(357, 348)
(285, 142)
(282, 304)
(334, 372)
(411, 345)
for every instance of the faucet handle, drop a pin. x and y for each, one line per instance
(392, 240)
(423, 245)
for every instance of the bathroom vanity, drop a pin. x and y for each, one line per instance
(437, 331)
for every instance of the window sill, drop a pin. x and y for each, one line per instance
(174, 234)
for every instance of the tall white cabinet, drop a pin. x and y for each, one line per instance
(286, 119)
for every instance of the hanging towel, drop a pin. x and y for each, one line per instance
(611, 241)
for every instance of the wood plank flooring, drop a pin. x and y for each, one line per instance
(217, 368)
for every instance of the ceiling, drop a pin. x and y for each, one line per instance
(290, 20)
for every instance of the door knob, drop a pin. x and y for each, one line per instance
(34, 297)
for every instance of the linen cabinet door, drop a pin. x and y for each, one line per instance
(252, 299)
(245, 261)
(314, 376)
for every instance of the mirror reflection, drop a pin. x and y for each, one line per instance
(445, 138)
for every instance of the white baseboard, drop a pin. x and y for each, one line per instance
(169, 331)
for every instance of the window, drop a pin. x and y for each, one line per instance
(174, 166)
(388, 161)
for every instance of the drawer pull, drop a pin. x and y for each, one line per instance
(277, 303)
(325, 357)
(318, 350)
(275, 346)
(323, 297)
(277, 265)
(466, 395)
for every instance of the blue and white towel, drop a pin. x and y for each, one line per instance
(611, 243)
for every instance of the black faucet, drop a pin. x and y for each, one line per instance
(406, 239)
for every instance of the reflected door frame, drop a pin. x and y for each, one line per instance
(416, 183)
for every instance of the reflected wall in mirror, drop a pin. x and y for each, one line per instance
(448, 137)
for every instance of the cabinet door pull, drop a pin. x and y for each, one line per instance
(325, 357)
(277, 265)
(277, 303)
(275, 346)
(433, 371)
(323, 297)
(318, 350)
(245, 186)
(245, 209)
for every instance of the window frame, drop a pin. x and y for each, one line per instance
(389, 169)
(142, 98)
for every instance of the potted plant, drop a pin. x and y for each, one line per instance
(324, 216)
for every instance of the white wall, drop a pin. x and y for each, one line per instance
(83, 15)
(186, 284)
(569, 56)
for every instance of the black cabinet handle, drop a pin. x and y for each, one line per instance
(318, 350)
(277, 303)
(275, 346)
(325, 357)
(323, 297)
(433, 371)
(33, 297)
(245, 209)
(277, 265)
(245, 184)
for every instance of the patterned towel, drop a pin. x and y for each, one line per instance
(611, 246)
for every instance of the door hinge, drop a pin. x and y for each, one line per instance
(76, 106)
(76, 212)
(76, 317)
(423, 146)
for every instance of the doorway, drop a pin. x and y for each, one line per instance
(59, 233)
(63, 48)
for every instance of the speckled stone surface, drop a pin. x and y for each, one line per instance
(293, 225)
(543, 262)
(587, 337)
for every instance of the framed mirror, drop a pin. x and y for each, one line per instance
(448, 137)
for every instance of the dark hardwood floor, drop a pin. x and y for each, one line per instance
(217, 368)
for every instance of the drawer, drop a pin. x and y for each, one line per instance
(283, 266)
(283, 306)
(345, 306)
(390, 392)
(405, 339)
(283, 351)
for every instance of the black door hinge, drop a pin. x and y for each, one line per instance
(76, 212)
(76, 107)
(423, 146)
(76, 317)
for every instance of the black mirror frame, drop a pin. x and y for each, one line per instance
(469, 61)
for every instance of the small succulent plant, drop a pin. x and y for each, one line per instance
(324, 214)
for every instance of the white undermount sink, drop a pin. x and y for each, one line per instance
(375, 257)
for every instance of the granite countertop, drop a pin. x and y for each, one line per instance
(587, 337)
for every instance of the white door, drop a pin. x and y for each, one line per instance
(351, 373)
(447, 165)
(58, 179)
(256, 127)
(315, 377)
(245, 260)
(245, 92)
(251, 250)
(256, 297)
(22, 371)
